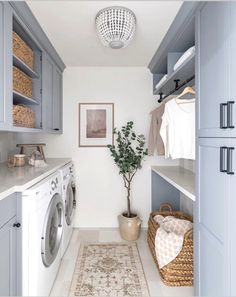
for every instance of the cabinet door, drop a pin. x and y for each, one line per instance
(213, 60)
(52, 96)
(232, 219)
(232, 97)
(8, 258)
(212, 212)
(57, 100)
(5, 65)
(47, 92)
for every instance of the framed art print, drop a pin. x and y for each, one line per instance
(96, 124)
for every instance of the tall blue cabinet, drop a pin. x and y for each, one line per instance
(211, 26)
(215, 223)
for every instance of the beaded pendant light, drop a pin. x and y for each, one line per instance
(115, 26)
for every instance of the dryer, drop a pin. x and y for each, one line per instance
(69, 202)
(42, 227)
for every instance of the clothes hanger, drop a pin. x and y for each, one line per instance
(187, 94)
(187, 91)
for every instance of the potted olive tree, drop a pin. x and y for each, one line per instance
(128, 153)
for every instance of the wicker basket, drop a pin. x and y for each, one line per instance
(22, 51)
(23, 116)
(178, 272)
(22, 83)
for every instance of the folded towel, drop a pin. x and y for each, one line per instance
(184, 57)
(164, 78)
(169, 238)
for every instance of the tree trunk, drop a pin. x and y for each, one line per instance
(128, 200)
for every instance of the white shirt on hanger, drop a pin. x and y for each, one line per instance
(178, 129)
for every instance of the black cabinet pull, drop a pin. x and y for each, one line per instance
(223, 159)
(230, 160)
(223, 119)
(230, 114)
(17, 225)
(56, 129)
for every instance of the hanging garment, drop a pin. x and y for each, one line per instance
(178, 129)
(155, 142)
(169, 238)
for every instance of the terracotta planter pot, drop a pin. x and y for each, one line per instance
(129, 227)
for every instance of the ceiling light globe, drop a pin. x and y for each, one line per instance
(115, 26)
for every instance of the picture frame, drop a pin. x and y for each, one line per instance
(96, 124)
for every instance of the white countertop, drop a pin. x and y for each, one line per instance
(181, 178)
(18, 179)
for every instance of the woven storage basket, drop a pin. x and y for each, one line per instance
(178, 272)
(22, 51)
(22, 83)
(23, 116)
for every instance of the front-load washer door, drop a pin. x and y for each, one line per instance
(70, 203)
(52, 230)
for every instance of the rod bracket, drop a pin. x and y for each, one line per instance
(160, 97)
(176, 83)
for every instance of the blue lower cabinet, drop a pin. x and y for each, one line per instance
(8, 259)
(215, 234)
(9, 247)
(211, 264)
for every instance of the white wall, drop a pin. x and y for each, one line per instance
(101, 192)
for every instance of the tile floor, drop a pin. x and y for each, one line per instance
(156, 287)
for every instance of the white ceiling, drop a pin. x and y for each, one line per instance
(70, 27)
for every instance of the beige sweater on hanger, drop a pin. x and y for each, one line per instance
(155, 142)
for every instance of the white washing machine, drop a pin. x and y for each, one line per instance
(42, 226)
(69, 202)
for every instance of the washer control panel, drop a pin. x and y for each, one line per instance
(68, 172)
(54, 184)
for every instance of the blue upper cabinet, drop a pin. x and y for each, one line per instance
(46, 98)
(232, 46)
(5, 65)
(216, 69)
(213, 62)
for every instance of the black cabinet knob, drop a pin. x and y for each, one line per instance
(17, 225)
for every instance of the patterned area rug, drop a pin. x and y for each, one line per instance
(109, 269)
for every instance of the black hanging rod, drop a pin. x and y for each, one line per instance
(177, 87)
